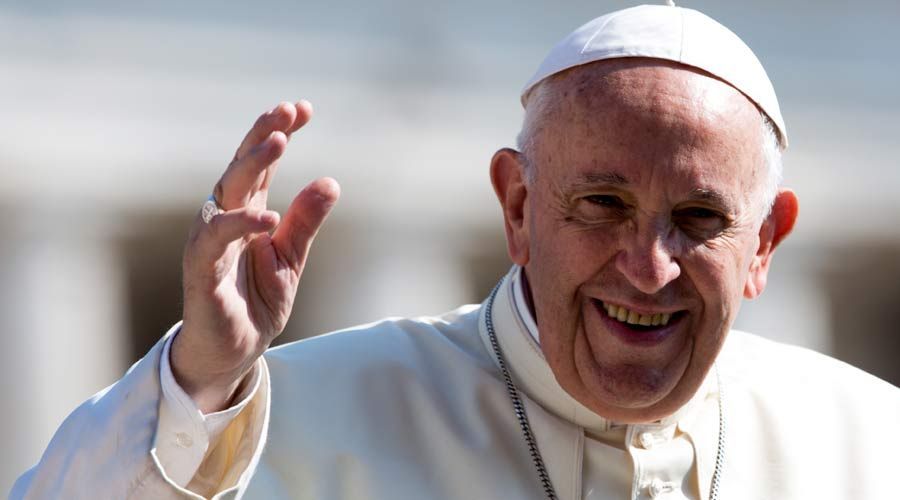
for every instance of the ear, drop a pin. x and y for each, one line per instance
(774, 229)
(508, 178)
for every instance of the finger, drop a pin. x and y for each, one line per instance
(208, 250)
(303, 219)
(250, 174)
(279, 118)
(304, 114)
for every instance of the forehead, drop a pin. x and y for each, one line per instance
(635, 117)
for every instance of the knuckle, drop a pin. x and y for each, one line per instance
(219, 190)
(260, 122)
(258, 153)
(253, 163)
(304, 228)
(215, 227)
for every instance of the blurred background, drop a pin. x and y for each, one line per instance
(116, 119)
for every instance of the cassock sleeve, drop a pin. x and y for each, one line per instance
(132, 441)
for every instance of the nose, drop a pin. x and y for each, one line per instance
(647, 260)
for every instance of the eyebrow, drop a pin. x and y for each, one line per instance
(710, 196)
(613, 178)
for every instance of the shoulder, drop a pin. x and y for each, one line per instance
(771, 370)
(798, 418)
(372, 386)
(396, 342)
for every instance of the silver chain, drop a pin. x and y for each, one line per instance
(518, 406)
(720, 445)
(522, 417)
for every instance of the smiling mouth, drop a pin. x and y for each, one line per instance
(637, 321)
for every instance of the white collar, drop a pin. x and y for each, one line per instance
(518, 335)
(521, 304)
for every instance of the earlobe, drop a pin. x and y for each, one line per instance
(777, 226)
(507, 177)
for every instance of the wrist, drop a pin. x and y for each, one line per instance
(212, 399)
(211, 388)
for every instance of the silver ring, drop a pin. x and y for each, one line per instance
(210, 209)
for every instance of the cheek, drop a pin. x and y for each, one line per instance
(718, 273)
(563, 258)
(569, 255)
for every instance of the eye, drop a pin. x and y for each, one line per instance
(596, 208)
(605, 200)
(699, 213)
(700, 221)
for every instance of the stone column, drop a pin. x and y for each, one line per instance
(62, 338)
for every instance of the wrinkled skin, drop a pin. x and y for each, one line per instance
(647, 194)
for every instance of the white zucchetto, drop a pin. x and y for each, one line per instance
(676, 34)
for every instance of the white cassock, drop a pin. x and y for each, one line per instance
(417, 409)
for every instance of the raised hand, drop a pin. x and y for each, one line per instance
(240, 281)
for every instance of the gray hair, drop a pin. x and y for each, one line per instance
(539, 102)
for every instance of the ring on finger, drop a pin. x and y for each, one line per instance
(210, 209)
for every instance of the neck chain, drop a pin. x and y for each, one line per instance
(522, 417)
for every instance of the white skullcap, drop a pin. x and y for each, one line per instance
(667, 32)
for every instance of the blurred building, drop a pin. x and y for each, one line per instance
(116, 119)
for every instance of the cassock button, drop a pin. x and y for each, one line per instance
(184, 440)
(647, 440)
(659, 488)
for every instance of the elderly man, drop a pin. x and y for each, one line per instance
(642, 206)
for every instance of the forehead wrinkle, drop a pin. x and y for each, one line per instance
(610, 178)
(687, 115)
(658, 94)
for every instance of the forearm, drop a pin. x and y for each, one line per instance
(102, 449)
(133, 440)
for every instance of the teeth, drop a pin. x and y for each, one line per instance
(631, 317)
(612, 310)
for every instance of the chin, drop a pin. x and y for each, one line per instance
(634, 388)
(631, 393)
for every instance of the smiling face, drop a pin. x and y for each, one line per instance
(640, 229)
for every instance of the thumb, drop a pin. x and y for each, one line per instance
(302, 221)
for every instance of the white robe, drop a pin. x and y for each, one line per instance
(416, 408)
